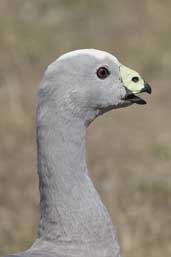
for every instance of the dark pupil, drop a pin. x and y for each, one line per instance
(135, 79)
(102, 72)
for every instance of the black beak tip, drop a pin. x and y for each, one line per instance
(147, 88)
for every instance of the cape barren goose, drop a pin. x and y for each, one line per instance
(76, 88)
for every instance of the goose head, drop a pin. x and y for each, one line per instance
(91, 82)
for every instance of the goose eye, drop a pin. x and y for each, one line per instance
(103, 73)
(135, 79)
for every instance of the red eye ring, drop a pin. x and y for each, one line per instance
(103, 73)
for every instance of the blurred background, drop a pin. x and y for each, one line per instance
(129, 150)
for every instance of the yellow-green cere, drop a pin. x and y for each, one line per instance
(131, 79)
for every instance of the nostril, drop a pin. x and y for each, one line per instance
(135, 79)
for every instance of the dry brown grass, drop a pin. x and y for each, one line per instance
(129, 150)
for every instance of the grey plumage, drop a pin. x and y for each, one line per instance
(74, 221)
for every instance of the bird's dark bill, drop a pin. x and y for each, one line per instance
(135, 99)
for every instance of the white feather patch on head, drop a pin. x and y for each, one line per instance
(92, 52)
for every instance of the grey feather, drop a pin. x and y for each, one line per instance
(74, 221)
